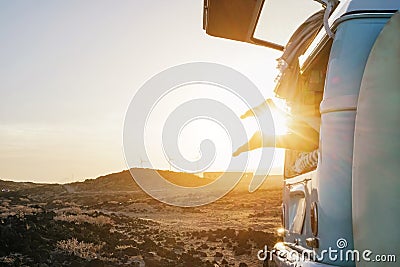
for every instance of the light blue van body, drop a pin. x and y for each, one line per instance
(343, 202)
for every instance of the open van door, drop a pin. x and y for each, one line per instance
(268, 23)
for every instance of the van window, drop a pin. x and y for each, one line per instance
(278, 12)
(310, 88)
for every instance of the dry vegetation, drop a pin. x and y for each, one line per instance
(81, 226)
(72, 246)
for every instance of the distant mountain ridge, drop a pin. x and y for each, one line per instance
(6, 186)
(123, 181)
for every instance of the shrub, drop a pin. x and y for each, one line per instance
(81, 249)
(82, 218)
(19, 210)
(69, 210)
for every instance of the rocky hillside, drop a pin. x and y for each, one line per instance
(123, 181)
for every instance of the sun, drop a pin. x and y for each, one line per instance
(280, 116)
(280, 123)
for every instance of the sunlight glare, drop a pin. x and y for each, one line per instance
(280, 119)
(280, 123)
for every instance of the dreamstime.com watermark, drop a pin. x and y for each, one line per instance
(338, 254)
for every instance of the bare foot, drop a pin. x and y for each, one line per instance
(236, 153)
(248, 113)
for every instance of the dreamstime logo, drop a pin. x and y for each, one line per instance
(341, 243)
(172, 83)
(332, 254)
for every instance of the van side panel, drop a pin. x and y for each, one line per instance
(350, 50)
(376, 166)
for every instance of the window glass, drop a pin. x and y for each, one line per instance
(280, 18)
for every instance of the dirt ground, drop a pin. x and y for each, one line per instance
(59, 225)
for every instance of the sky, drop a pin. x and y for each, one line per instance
(69, 69)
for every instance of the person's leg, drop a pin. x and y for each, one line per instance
(287, 141)
(258, 140)
(254, 143)
(297, 142)
(310, 119)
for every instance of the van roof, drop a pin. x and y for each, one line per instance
(349, 7)
(355, 6)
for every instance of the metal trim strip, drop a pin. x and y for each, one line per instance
(339, 103)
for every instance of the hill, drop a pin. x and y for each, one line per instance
(6, 186)
(123, 181)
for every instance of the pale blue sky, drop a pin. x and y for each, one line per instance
(68, 70)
